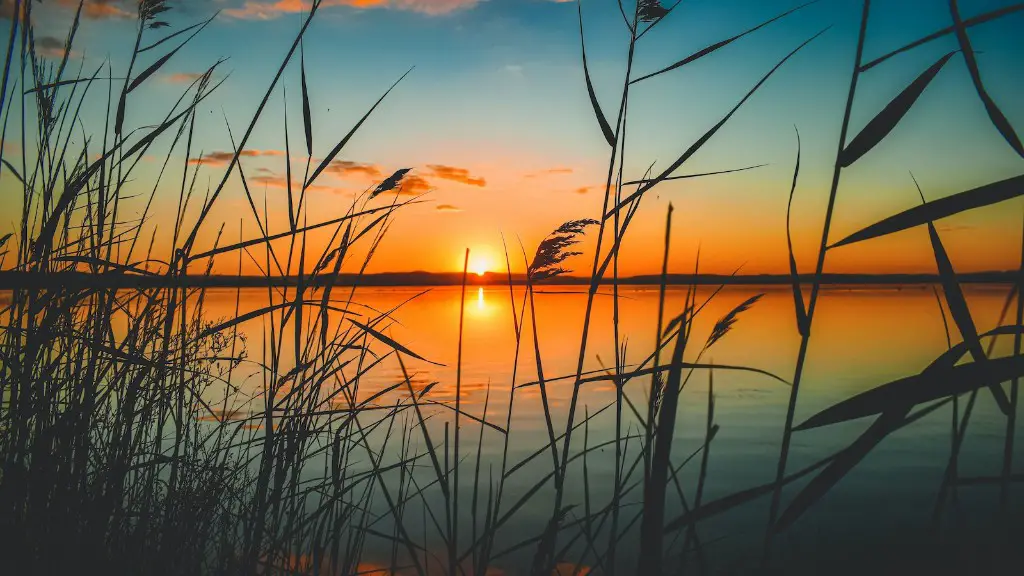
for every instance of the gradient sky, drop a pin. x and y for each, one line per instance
(495, 119)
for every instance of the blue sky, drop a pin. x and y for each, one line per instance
(495, 117)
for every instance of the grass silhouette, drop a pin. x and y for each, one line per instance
(128, 447)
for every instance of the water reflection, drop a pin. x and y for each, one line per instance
(863, 338)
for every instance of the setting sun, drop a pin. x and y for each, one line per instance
(479, 264)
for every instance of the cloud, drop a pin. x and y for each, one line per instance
(103, 8)
(556, 171)
(585, 189)
(94, 9)
(460, 175)
(50, 47)
(343, 168)
(222, 158)
(270, 9)
(413, 185)
(448, 208)
(278, 182)
(183, 77)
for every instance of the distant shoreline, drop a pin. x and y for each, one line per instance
(23, 280)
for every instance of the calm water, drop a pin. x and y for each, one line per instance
(863, 337)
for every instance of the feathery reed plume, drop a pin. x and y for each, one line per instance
(725, 324)
(651, 11)
(390, 183)
(150, 9)
(553, 250)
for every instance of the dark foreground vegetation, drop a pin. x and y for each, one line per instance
(127, 447)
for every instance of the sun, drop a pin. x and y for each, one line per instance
(479, 264)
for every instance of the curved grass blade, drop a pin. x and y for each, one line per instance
(726, 503)
(700, 175)
(154, 67)
(994, 113)
(337, 149)
(682, 365)
(391, 343)
(933, 383)
(938, 209)
(798, 295)
(848, 458)
(609, 136)
(959, 310)
(714, 129)
(307, 116)
(881, 125)
(980, 19)
(13, 170)
(709, 49)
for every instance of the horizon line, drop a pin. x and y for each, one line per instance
(13, 279)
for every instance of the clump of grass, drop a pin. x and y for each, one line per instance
(138, 433)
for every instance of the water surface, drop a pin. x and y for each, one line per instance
(862, 337)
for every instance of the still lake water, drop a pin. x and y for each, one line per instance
(863, 337)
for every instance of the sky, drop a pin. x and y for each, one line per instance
(495, 122)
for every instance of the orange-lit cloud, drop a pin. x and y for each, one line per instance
(271, 180)
(556, 171)
(448, 208)
(103, 8)
(95, 9)
(414, 184)
(460, 175)
(343, 168)
(269, 9)
(222, 158)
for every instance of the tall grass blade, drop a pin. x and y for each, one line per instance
(881, 125)
(937, 209)
(960, 312)
(392, 343)
(844, 461)
(338, 147)
(798, 295)
(606, 130)
(980, 19)
(711, 132)
(307, 115)
(712, 48)
(930, 384)
(994, 113)
(156, 66)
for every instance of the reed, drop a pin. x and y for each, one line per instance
(139, 435)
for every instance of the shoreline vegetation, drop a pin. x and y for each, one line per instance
(139, 436)
(11, 280)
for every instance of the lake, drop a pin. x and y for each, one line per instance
(862, 337)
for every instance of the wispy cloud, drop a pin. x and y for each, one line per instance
(556, 171)
(222, 158)
(414, 184)
(93, 9)
(270, 9)
(50, 47)
(448, 208)
(183, 77)
(278, 182)
(344, 168)
(460, 175)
